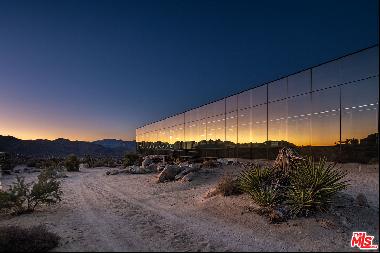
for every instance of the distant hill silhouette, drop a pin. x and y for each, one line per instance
(113, 143)
(63, 147)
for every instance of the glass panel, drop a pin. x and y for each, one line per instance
(299, 120)
(201, 128)
(245, 126)
(191, 115)
(259, 95)
(360, 121)
(325, 117)
(277, 90)
(216, 108)
(231, 103)
(259, 124)
(202, 112)
(350, 68)
(360, 65)
(278, 121)
(326, 75)
(245, 99)
(231, 127)
(215, 128)
(299, 83)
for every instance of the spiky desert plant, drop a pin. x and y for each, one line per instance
(260, 184)
(312, 186)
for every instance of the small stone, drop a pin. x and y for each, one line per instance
(361, 200)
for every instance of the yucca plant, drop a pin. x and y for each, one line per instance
(312, 186)
(260, 184)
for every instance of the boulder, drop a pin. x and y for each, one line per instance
(361, 200)
(186, 170)
(146, 162)
(151, 168)
(169, 173)
(196, 166)
(222, 161)
(160, 167)
(134, 169)
(188, 177)
(184, 164)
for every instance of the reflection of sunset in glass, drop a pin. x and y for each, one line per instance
(292, 111)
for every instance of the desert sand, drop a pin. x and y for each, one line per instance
(128, 212)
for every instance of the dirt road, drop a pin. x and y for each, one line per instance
(133, 213)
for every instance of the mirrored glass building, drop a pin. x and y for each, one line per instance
(328, 110)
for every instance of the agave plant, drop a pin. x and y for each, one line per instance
(312, 186)
(259, 183)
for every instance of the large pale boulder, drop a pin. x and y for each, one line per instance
(134, 169)
(186, 171)
(169, 173)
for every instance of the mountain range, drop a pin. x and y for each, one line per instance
(64, 147)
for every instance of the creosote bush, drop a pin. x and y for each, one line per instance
(130, 159)
(228, 186)
(24, 197)
(34, 239)
(72, 163)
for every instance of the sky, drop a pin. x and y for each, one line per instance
(88, 70)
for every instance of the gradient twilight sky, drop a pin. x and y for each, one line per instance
(87, 70)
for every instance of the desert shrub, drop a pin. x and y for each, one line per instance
(313, 185)
(130, 159)
(261, 185)
(228, 186)
(72, 163)
(34, 239)
(24, 197)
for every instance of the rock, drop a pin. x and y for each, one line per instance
(361, 200)
(147, 161)
(151, 168)
(188, 177)
(160, 167)
(134, 169)
(108, 172)
(114, 172)
(186, 170)
(196, 166)
(184, 164)
(169, 173)
(222, 161)
(16, 170)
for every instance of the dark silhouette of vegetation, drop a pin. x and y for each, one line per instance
(34, 239)
(72, 163)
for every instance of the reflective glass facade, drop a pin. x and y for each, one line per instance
(328, 110)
